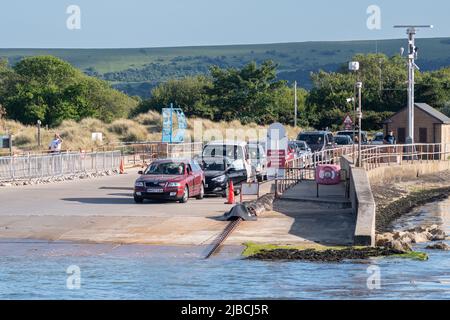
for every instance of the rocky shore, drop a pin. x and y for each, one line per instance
(403, 240)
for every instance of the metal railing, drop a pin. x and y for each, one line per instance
(146, 152)
(388, 155)
(57, 164)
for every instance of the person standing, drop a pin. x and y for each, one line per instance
(389, 138)
(55, 145)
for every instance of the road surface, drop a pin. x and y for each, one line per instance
(102, 210)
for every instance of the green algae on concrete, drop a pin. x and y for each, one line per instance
(317, 252)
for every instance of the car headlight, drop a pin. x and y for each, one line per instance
(221, 178)
(139, 184)
(173, 184)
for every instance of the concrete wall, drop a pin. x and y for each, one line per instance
(389, 174)
(363, 203)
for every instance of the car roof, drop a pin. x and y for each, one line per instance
(227, 142)
(183, 160)
(315, 132)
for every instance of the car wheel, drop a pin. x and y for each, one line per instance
(185, 197)
(202, 192)
(138, 199)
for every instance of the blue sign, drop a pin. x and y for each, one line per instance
(168, 124)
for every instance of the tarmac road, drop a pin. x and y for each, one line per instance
(102, 210)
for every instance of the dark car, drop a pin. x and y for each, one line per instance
(352, 135)
(218, 172)
(317, 140)
(343, 140)
(170, 179)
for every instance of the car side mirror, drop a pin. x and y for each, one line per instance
(140, 172)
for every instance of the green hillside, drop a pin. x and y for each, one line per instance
(135, 71)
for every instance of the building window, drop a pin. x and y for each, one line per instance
(423, 135)
(401, 137)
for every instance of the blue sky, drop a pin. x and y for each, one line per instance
(162, 23)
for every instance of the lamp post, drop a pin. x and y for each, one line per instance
(295, 104)
(354, 67)
(39, 123)
(359, 114)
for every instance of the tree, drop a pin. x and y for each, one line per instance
(243, 93)
(51, 90)
(189, 93)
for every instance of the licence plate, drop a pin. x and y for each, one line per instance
(155, 190)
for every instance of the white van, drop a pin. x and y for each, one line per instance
(237, 151)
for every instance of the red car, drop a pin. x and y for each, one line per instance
(170, 180)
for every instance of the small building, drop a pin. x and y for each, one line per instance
(430, 125)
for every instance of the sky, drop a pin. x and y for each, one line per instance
(167, 23)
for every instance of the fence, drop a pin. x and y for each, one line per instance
(149, 151)
(387, 155)
(35, 166)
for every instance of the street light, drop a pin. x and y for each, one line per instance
(412, 55)
(39, 123)
(359, 114)
(354, 67)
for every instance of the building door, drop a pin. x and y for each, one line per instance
(401, 135)
(423, 134)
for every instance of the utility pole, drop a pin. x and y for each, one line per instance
(412, 56)
(295, 104)
(359, 86)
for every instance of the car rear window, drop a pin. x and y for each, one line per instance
(312, 138)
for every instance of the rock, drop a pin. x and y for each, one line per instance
(381, 240)
(400, 246)
(419, 237)
(438, 246)
(438, 235)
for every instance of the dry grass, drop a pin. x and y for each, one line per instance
(145, 127)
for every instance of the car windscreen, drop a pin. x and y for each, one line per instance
(171, 168)
(301, 145)
(341, 140)
(214, 165)
(312, 139)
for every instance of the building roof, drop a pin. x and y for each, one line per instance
(430, 111)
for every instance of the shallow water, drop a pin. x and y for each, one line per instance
(37, 270)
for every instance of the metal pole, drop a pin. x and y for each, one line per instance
(411, 35)
(39, 133)
(359, 86)
(295, 104)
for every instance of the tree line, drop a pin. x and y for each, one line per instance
(51, 90)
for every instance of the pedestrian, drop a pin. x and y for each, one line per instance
(389, 138)
(55, 145)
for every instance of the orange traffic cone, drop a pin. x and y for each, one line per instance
(121, 168)
(230, 193)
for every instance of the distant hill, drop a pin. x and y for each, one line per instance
(136, 71)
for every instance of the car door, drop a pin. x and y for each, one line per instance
(190, 177)
(198, 175)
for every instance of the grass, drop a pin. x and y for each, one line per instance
(254, 248)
